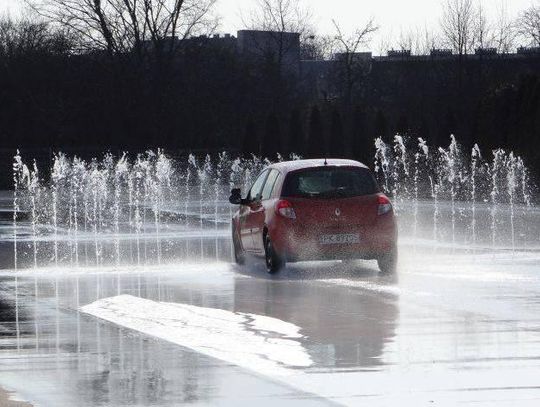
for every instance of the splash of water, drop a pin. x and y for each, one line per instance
(132, 200)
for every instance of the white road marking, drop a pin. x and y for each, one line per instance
(262, 344)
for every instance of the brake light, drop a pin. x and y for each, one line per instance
(383, 205)
(284, 208)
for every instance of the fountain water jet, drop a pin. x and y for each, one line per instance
(450, 176)
(512, 185)
(445, 176)
(20, 174)
(499, 157)
(421, 160)
(475, 157)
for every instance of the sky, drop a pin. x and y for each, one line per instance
(392, 16)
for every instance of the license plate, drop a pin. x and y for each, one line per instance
(350, 238)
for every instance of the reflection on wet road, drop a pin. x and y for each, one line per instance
(444, 330)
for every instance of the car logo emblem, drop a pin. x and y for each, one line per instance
(338, 212)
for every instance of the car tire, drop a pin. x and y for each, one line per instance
(238, 253)
(388, 262)
(274, 262)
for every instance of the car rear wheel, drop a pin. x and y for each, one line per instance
(238, 253)
(274, 262)
(388, 262)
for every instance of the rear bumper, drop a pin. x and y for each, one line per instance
(357, 254)
(297, 244)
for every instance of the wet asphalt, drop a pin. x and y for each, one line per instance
(446, 329)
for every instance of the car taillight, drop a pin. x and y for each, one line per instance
(384, 205)
(285, 209)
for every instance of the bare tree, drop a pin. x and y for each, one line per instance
(384, 43)
(418, 40)
(458, 25)
(482, 30)
(25, 36)
(505, 29)
(123, 25)
(407, 40)
(280, 18)
(351, 69)
(316, 47)
(351, 66)
(428, 41)
(529, 25)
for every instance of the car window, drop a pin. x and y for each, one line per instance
(269, 185)
(256, 189)
(330, 182)
(276, 184)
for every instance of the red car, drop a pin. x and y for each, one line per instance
(315, 210)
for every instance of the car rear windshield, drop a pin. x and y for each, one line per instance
(330, 182)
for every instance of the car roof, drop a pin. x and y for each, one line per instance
(288, 166)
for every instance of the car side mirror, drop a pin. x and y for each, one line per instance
(236, 196)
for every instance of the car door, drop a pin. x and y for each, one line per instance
(259, 212)
(253, 202)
